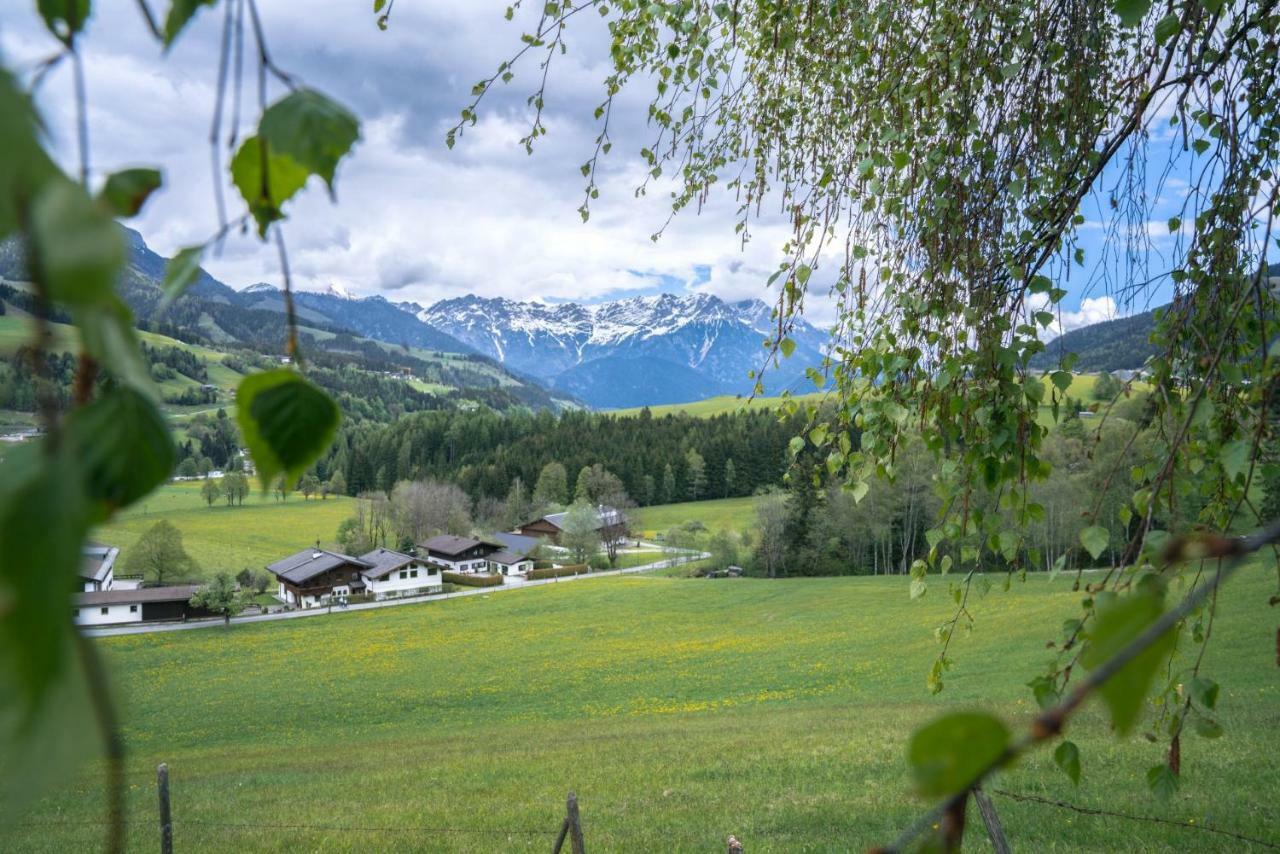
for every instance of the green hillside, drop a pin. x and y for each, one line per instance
(719, 405)
(680, 711)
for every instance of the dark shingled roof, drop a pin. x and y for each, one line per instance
(448, 544)
(384, 562)
(507, 558)
(308, 563)
(176, 593)
(516, 542)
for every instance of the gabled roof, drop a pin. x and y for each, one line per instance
(308, 563)
(173, 593)
(98, 561)
(383, 562)
(605, 516)
(507, 558)
(517, 543)
(448, 544)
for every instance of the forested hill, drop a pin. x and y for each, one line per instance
(1113, 345)
(334, 332)
(484, 453)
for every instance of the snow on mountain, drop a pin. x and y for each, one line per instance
(689, 345)
(259, 288)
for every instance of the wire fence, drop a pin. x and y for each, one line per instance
(1150, 819)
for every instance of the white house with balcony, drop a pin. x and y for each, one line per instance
(391, 574)
(458, 554)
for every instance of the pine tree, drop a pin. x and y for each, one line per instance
(695, 475)
(730, 476)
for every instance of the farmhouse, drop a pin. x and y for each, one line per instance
(393, 574)
(509, 563)
(97, 570)
(311, 576)
(458, 554)
(135, 605)
(551, 526)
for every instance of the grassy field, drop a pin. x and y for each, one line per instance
(679, 711)
(730, 513)
(231, 538)
(725, 403)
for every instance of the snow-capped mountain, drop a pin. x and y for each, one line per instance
(643, 350)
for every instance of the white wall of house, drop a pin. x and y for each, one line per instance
(127, 582)
(471, 564)
(416, 576)
(102, 615)
(104, 584)
(511, 569)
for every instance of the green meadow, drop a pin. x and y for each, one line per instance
(261, 531)
(733, 514)
(679, 711)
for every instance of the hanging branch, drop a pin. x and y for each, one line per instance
(1050, 723)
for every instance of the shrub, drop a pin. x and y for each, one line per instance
(598, 562)
(471, 580)
(558, 571)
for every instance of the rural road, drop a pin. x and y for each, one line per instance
(510, 584)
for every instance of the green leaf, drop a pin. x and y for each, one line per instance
(181, 271)
(313, 130)
(1207, 727)
(1119, 621)
(947, 756)
(1175, 223)
(919, 587)
(377, 5)
(1131, 12)
(796, 445)
(1204, 691)
(42, 751)
(1061, 380)
(64, 17)
(860, 489)
(1200, 146)
(285, 178)
(1067, 757)
(787, 346)
(25, 166)
(286, 422)
(43, 521)
(1167, 28)
(124, 447)
(1094, 539)
(180, 14)
(77, 246)
(125, 192)
(1235, 457)
(106, 333)
(1162, 782)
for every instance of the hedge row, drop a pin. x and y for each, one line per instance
(558, 572)
(471, 580)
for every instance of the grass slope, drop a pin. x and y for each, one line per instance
(230, 538)
(728, 513)
(721, 405)
(679, 710)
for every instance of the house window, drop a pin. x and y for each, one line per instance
(75, 612)
(413, 573)
(133, 609)
(106, 611)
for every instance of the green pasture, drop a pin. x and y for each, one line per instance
(231, 538)
(733, 514)
(678, 710)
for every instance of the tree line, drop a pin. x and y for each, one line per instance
(657, 460)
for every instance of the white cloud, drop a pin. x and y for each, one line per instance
(415, 220)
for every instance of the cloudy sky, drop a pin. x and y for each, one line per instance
(414, 220)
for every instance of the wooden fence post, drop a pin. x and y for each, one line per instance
(992, 821)
(166, 818)
(577, 846)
